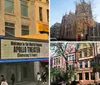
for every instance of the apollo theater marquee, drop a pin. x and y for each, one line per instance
(23, 48)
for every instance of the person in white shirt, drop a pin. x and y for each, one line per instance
(38, 77)
(3, 81)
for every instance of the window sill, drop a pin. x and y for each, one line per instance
(25, 17)
(11, 14)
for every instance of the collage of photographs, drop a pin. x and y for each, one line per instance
(74, 42)
(49, 42)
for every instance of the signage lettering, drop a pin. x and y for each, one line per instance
(25, 47)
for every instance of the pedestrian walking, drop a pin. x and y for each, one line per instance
(2, 77)
(38, 78)
(44, 77)
(3, 81)
(13, 79)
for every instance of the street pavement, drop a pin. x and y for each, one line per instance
(33, 83)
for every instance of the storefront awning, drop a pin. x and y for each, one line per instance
(1, 36)
(37, 36)
(46, 61)
(23, 60)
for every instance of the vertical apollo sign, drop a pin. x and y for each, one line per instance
(23, 49)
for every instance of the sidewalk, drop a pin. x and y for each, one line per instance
(33, 83)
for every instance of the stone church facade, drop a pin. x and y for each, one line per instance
(74, 26)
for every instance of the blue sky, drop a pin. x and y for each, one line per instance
(59, 7)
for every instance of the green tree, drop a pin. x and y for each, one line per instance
(60, 49)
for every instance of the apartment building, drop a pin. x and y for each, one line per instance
(22, 17)
(42, 16)
(85, 63)
(59, 62)
(17, 19)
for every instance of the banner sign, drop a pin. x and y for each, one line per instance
(23, 49)
(43, 27)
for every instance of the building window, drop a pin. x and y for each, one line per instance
(85, 52)
(80, 54)
(87, 76)
(24, 8)
(92, 76)
(25, 30)
(71, 57)
(9, 29)
(9, 6)
(54, 61)
(40, 14)
(80, 64)
(47, 1)
(91, 53)
(91, 63)
(80, 76)
(25, 72)
(86, 64)
(47, 15)
(57, 61)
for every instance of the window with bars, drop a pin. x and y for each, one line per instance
(9, 29)
(40, 14)
(24, 8)
(9, 6)
(25, 30)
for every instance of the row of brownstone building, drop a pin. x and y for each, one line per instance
(84, 58)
